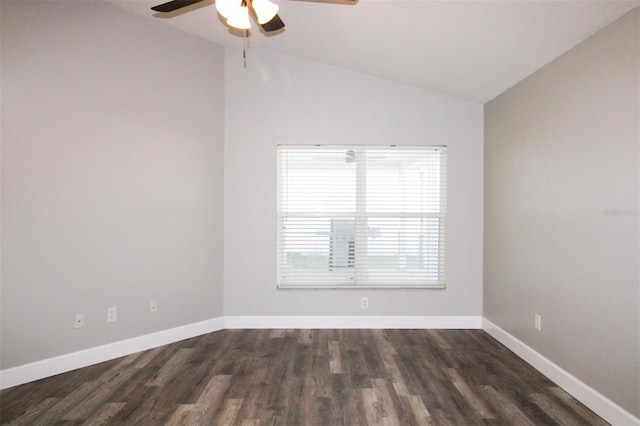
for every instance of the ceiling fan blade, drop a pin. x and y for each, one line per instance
(174, 5)
(273, 25)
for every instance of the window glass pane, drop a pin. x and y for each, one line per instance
(318, 181)
(403, 181)
(317, 250)
(402, 248)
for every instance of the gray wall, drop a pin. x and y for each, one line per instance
(561, 211)
(112, 187)
(289, 100)
(112, 177)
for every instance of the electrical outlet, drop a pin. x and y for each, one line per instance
(364, 303)
(153, 307)
(537, 322)
(112, 314)
(78, 321)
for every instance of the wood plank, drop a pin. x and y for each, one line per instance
(227, 413)
(379, 409)
(335, 364)
(171, 368)
(581, 411)
(101, 394)
(479, 406)
(203, 411)
(33, 411)
(420, 412)
(555, 411)
(503, 405)
(64, 405)
(104, 413)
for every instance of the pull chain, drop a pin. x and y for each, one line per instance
(245, 46)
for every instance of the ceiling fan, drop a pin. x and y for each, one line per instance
(236, 12)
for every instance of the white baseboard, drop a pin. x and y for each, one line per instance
(68, 362)
(364, 322)
(597, 402)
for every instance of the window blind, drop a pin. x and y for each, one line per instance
(361, 216)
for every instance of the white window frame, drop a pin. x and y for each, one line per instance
(350, 264)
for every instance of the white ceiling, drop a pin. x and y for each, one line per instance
(473, 50)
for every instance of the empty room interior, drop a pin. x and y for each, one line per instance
(149, 160)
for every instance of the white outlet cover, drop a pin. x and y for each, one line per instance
(112, 314)
(364, 303)
(78, 321)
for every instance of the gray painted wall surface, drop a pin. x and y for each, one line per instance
(281, 99)
(112, 177)
(561, 211)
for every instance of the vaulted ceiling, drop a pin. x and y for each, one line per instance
(473, 50)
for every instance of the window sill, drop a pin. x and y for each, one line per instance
(362, 287)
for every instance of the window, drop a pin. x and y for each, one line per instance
(354, 216)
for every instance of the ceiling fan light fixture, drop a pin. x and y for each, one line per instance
(228, 8)
(265, 10)
(240, 19)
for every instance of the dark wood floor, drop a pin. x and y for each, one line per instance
(304, 377)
